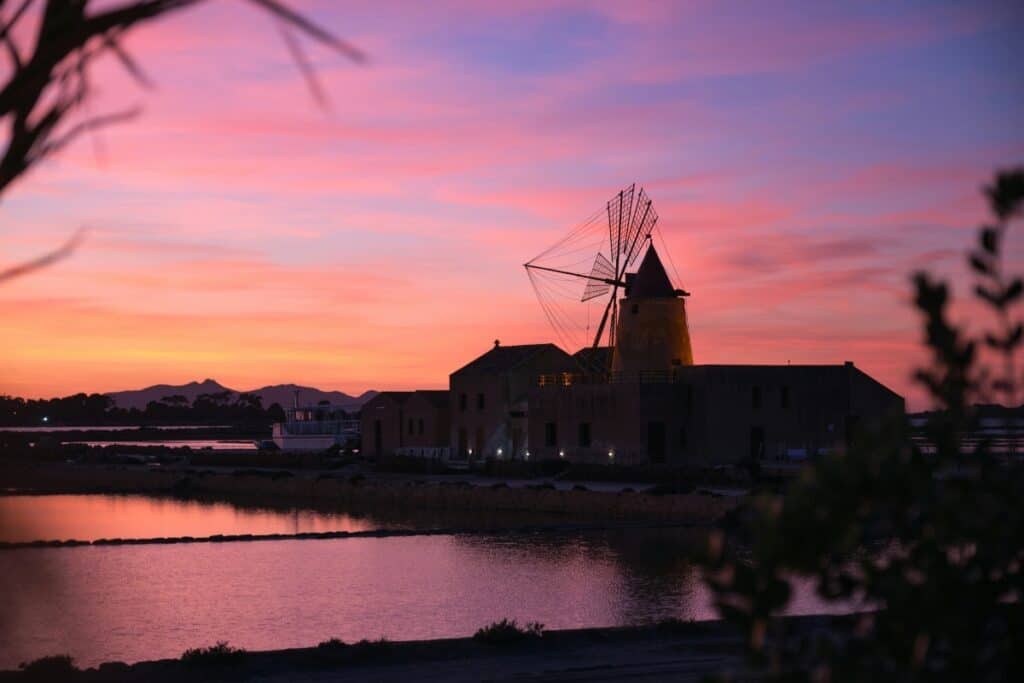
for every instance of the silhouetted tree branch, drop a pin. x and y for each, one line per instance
(927, 536)
(48, 85)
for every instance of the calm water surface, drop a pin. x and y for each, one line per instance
(90, 517)
(142, 602)
(107, 428)
(194, 444)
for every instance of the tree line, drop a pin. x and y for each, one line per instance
(222, 407)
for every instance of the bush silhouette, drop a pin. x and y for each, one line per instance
(945, 587)
(219, 656)
(508, 631)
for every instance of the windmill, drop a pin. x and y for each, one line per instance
(596, 256)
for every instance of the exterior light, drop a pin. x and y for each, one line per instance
(471, 451)
(561, 453)
(611, 454)
(499, 452)
(46, 419)
(527, 457)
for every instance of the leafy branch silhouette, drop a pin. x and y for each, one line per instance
(44, 97)
(927, 537)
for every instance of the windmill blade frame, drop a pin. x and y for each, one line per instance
(580, 256)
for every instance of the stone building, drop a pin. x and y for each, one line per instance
(656, 406)
(394, 420)
(706, 414)
(488, 398)
(642, 401)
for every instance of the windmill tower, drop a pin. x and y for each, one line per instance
(646, 329)
(652, 334)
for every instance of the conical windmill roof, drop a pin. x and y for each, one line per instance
(651, 280)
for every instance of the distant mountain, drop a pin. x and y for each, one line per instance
(284, 394)
(138, 398)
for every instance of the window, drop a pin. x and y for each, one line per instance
(784, 397)
(479, 401)
(755, 397)
(584, 435)
(410, 425)
(421, 425)
(462, 402)
(550, 434)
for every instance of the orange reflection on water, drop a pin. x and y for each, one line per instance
(90, 517)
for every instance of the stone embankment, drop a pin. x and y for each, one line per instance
(357, 492)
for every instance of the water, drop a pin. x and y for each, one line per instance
(128, 603)
(195, 444)
(90, 517)
(108, 428)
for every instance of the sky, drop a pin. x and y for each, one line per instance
(804, 158)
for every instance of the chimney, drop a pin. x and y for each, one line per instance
(497, 343)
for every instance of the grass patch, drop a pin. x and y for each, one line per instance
(508, 631)
(51, 668)
(219, 656)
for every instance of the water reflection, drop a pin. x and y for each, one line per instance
(94, 516)
(141, 602)
(650, 569)
(90, 517)
(104, 603)
(194, 444)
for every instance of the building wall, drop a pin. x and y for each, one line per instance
(651, 335)
(425, 423)
(489, 411)
(380, 422)
(710, 415)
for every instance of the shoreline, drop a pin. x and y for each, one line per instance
(335, 535)
(674, 650)
(405, 495)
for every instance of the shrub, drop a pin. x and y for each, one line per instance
(51, 668)
(332, 644)
(219, 656)
(508, 631)
(948, 587)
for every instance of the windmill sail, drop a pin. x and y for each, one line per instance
(595, 256)
(602, 270)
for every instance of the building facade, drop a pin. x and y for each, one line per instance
(705, 415)
(394, 420)
(488, 399)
